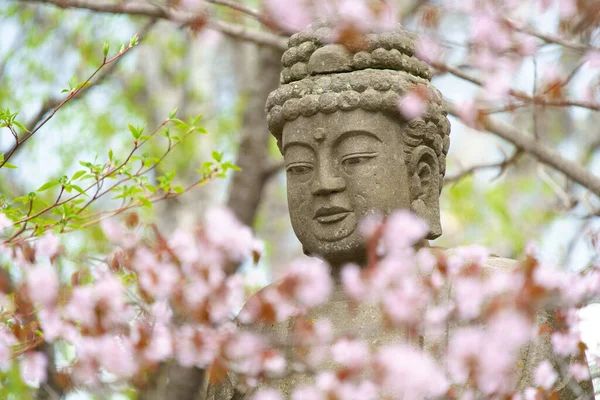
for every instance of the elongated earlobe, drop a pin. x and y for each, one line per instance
(425, 188)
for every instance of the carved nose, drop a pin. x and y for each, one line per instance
(327, 182)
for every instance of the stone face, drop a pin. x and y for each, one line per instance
(340, 168)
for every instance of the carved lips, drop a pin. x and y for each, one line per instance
(329, 215)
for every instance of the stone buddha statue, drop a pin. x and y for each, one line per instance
(349, 153)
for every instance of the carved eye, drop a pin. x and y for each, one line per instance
(356, 159)
(299, 169)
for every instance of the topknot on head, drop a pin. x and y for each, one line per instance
(314, 51)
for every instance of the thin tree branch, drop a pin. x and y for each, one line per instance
(72, 94)
(54, 102)
(548, 38)
(503, 165)
(538, 100)
(545, 155)
(240, 8)
(271, 169)
(181, 17)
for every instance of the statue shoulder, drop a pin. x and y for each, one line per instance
(500, 263)
(493, 263)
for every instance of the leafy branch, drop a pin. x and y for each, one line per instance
(131, 185)
(8, 118)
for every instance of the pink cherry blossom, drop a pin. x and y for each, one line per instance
(107, 294)
(580, 372)
(469, 295)
(42, 285)
(463, 352)
(197, 345)
(370, 224)
(353, 354)
(161, 345)
(48, 245)
(511, 329)
(192, 5)
(291, 16)
(267, 394)
(117, 356)
(33, 367)
(305, 392)
(545, 375)
(406, 304)
(52, 324)
(364, 390)
(497, 84)
(5, 222)
(428, 49)
(7, 340)
(567, 8)
(468, 113)
(487, 30)
(313, 281)
(405, 372)
(412, 105)
(352, 282)
(225, 231)
(426, 261)
(593, 58)
(565, 344)
(118, 234)
(157, 278)
(403, 229)
(461, 257)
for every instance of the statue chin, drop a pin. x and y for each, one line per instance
(350, 249)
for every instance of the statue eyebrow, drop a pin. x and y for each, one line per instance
(354, 132)
(296, 143)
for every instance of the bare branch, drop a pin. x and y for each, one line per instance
(503, 165)
(545, 155)
(271, 169)
(181, 17)
(538, 100)
(548, 38)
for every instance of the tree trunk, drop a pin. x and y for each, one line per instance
(247, 186)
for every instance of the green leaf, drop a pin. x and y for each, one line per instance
(178, 189)
(227, 165)
(110, 154)
(105, 49)
(78, 174)
(9, 165)
(79, 189)
(145, 202)
(173, 113)
(217, 156)
(47, 185)
(20, 126)
(135, 132)
(134, 40)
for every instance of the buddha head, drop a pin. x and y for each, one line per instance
(348, 151)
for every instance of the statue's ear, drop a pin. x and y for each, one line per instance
(425, 183)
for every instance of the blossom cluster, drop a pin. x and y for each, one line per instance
(494, 314)
(157, 298)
